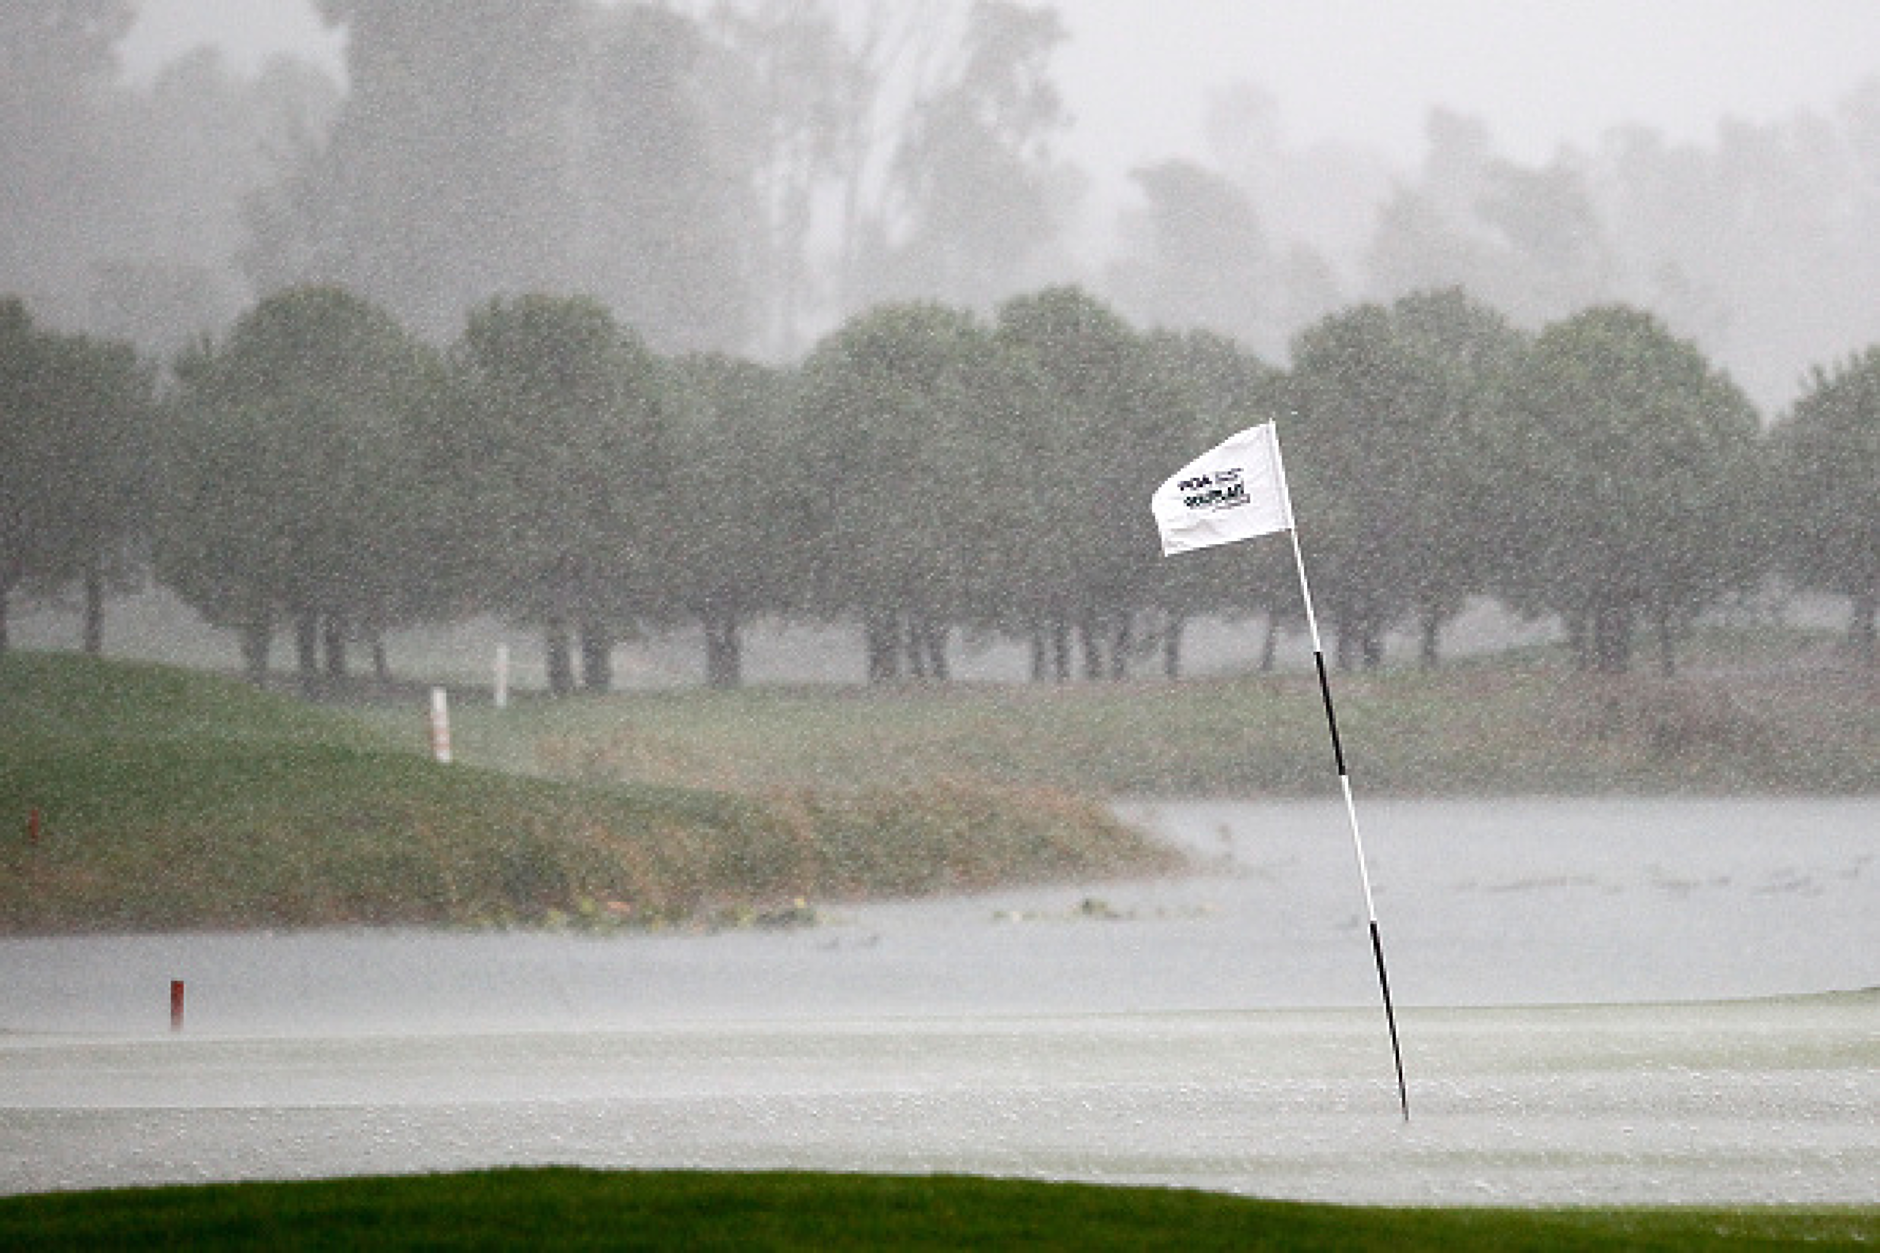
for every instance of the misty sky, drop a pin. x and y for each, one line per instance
(1364, 72)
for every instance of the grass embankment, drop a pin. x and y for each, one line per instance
(567, 1209)
(174, 799)
(171, 799)
(1504, 729)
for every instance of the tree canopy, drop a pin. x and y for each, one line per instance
(926, 474)
(74, 444)
(1631, 465)
(294, 489)
(1827, 498)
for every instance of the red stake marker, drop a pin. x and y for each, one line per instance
(176, 1004)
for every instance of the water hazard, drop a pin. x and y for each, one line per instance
(1558, 966)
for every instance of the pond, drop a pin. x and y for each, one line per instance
(1558, 967)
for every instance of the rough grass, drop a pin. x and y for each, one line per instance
(574, 1209)
(1500, 730)
(171, 800)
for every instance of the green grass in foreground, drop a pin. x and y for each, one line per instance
(573, 1209)
(176, 800)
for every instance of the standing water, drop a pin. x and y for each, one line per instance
(1601, 1001)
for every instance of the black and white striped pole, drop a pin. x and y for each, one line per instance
(1344, 777)
(1237, 491)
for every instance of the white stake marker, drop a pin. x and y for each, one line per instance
(440, 725)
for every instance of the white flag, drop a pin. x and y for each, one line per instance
(1234, 491)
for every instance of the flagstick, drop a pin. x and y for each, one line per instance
(1344, 778)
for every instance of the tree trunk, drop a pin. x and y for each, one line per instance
(1061, 649)
(1373, 646)
(1040, 653)
(1667, 643)
(560, 658)
(381, 660)
(307, 652)
(257, 637)
(1612, 639)
(1092, 644)
(934, 637)
(1269, 647)
(1120, 644)
(914, 648)
(597, 656)
(1430, 645)
(1579, 641)
(333, 635)
(724, 650)
(1861, 629)
(1172, 647)
(881, 638)
(6, 594)
(94, 610)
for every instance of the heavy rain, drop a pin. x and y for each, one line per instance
(577, 586)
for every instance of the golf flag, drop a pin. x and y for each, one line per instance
(1234, 491)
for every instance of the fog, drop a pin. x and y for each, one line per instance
(1714, 164)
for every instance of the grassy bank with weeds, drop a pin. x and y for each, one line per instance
(171, 800)
(1506, 729)
(174, 799)
(567, 1209)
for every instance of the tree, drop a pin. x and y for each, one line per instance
(492, 147)
(1828, 462)
(971, 193)
(1395, 405)
(1631, 466)
(799, 93)
(1199, 255)
(447, 176)
(1528, 240)
(742, 548)
(122, 201)
(566, 439)
(74, 419)
(61, 192)
(191, 148)
(297, 484)
(1119, 426)
(1316, 202)
(663, 173)
(1225, 389)
(100, 398)
(903, 152)
(885, 424)
(1757, 242)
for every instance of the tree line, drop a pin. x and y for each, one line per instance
(322, 475)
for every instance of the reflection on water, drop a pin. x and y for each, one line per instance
(1218, 1030)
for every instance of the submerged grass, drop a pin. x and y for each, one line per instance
(578, 1209)
(168, 800)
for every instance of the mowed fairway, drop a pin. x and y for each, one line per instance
(570, 1209)
(1742, 1104)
